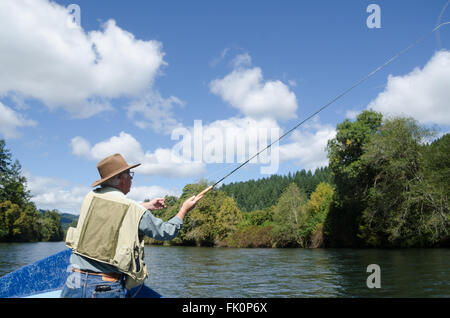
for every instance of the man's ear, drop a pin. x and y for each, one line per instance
(121, 179)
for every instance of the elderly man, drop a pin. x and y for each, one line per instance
(107, 244)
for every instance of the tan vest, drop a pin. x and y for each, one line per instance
(107, 232)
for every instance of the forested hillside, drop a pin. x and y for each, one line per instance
(262, 193)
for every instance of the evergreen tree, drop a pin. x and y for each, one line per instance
(263, 193)
(12, 183)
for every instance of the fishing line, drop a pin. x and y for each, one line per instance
(362, 80)
(439, 21)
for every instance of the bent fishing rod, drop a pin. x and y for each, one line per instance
(343, 93)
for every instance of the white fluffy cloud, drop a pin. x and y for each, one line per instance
(160, 162)
(245, 89)
(238, 138)
(235, 140)
(307, 146)
(10, 120)
(155, 112)
(62, 66)
(125, 144)
(54, 193)
(423, 94)
(264, 103)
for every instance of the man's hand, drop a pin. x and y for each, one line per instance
(190, 203)
(155, 204)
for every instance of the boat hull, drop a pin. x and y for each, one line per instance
(45, 279)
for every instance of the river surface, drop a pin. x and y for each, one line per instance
(228, 272)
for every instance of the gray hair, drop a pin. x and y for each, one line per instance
(113, 182)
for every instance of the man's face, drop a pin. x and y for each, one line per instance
(125, 182)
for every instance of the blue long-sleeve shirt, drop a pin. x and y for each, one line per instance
(149, 225)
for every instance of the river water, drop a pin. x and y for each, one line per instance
(228, 272)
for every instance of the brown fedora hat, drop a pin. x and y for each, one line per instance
(112, 166)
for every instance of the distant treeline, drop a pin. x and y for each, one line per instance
(259, 194)
(387, 185)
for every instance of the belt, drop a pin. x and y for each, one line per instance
(108, 277)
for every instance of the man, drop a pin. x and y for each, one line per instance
(107, 244)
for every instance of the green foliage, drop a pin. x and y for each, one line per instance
(391, 187)
(351, 176)
(263, 193)
(317, 210)
(27, 224)
(384, 187)
(228, 217)
(251, 236)
(259, 217)
(214, 218)
(345, 150)
(9, 213)
(288, 215)
(12, 184)
(435, 190)
(437, 164)
(20, 221)
(407, 203)
(51, 229)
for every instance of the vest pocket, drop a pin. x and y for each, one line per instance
(139, 278)
(72, 237)
(123, 259)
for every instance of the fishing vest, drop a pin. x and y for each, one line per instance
(107, 232)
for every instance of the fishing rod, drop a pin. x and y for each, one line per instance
(362, 80)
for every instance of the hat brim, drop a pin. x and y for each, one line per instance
(115, 173)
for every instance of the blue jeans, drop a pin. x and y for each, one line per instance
(85, 285)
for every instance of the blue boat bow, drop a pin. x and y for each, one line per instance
(45, 279)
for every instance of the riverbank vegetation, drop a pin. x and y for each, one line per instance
(20, 220)
(387, 185)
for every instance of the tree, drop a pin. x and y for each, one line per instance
(9, 213)
(228, 217)
(214, 218)
(288, 215)
(258, 217)
(351, 177)
(404, 206)
(263, 193)
(437, 164)
(50, 224)
(27, 224)
(317, 210)
(12, 183)
(20, 221)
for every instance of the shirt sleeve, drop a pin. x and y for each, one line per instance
(157, 229)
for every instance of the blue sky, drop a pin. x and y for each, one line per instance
(136, 71)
